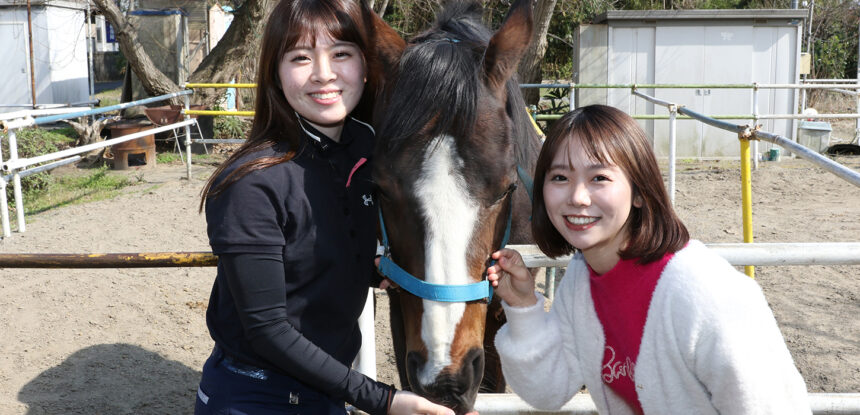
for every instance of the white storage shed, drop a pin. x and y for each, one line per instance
(694, 47)
(59, 52)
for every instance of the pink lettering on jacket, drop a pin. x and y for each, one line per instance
(613, 370)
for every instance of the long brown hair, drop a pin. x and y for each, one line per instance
(610, 136)
(275, 121)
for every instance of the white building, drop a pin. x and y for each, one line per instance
(59, 53)
(694, 47)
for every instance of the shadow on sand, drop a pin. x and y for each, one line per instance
(113, 379)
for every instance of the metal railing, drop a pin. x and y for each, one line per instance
(745, 134)
(494, 404)
(15, 168)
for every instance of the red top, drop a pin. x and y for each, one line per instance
(621, 299)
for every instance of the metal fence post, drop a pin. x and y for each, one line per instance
(4, 209)
(572, 100)
(673, 112)
(365, 362)
(187, 138)
(550, 283)
(754, 123)
(16, 181)
(746, 197)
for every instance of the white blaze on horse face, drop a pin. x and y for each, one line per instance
(450, 214)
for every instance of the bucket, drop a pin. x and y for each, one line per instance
(773, 154)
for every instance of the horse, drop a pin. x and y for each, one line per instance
(452, 132)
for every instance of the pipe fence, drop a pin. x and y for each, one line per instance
(16, 168)
(745, 134)
(747, 254)
(493, 404)
(830, 84)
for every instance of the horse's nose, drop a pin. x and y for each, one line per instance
(473, 365)
(471, 373)
(454, 389)
(414, 363)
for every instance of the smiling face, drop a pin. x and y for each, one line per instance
(588, 202)
(323, 81)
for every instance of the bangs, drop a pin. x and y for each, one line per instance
(596, 151)
(315, 19)
(606, 138)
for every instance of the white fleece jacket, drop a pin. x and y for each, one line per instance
(710, 345)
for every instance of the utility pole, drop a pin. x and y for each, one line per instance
(32, 61)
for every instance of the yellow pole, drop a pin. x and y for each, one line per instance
(746, 198)
(534, 123)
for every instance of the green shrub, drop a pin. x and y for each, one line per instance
(34, 142)
(229, 127)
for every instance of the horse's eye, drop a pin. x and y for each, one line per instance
(504, 195)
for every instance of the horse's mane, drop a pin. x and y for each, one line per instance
(437, 84)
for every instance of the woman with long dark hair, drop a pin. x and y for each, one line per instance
(292, 217)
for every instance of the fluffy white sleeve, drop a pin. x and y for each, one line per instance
(535, 359)
(741, 356)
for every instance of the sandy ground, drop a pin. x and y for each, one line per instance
(132, 341)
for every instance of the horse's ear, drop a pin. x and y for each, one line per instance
(507, 47)
(388, 44)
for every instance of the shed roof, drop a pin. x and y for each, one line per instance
(701, 14)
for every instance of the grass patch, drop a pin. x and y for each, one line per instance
(67, 190)
(109, 97)
(167, 158)
(35, 142)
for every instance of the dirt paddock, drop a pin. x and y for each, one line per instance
(132, 341)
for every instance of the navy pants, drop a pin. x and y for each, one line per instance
(228, 387)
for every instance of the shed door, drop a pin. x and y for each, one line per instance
(632, 62)
(775, 57)
(679, 59)
(15, 88)
(697, 55)
(728, 53)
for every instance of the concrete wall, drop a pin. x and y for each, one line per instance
(160, 37)
(106, 66)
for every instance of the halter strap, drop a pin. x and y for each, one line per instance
(527, 181)
(437, 292)
(445, 292)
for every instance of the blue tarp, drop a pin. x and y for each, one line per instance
(162, 12)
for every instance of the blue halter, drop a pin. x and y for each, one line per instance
(444, 292)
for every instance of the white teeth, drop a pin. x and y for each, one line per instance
(579, 220)
(327, 95)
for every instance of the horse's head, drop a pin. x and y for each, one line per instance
(446, 164)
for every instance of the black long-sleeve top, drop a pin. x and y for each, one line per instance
(296, 243)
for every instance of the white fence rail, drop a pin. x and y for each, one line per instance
(14, 168)
(739, 254)
(581, 404)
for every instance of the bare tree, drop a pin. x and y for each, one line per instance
(89, 133)
(530, 66)
(224, 62)
(378, 7)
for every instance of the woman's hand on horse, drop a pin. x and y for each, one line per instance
(511, 279)
(386, 283)
(408, 403)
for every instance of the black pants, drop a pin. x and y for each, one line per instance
(228, 387)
